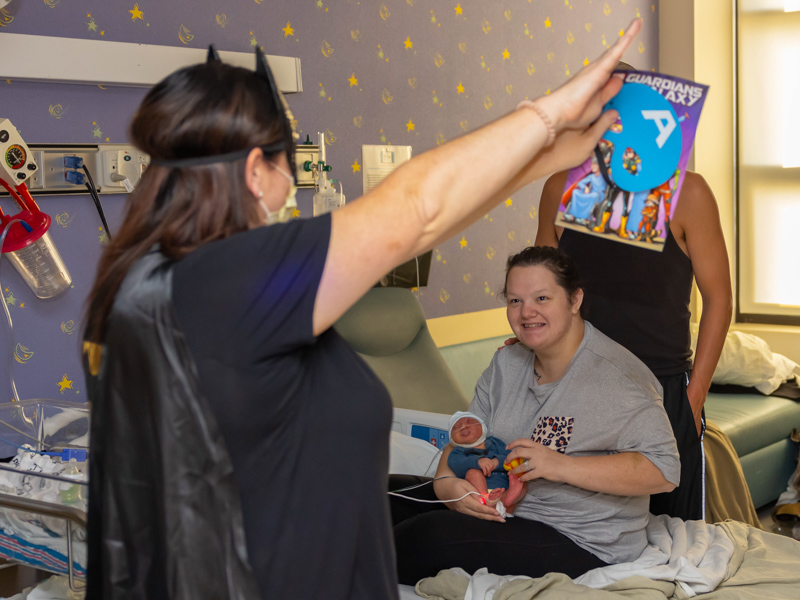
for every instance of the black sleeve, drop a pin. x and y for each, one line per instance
(257, 288)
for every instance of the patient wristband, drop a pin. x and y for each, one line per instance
(548, 122)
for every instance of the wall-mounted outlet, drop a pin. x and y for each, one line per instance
(56, 164)
(121, 164)
(305, 156)
(115, 168)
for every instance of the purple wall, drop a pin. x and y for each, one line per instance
(369, 69)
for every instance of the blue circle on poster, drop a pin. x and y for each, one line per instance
(648, 148)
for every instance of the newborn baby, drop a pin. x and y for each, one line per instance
(479, 459)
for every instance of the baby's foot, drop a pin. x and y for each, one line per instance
(515, 493)
(494, 496)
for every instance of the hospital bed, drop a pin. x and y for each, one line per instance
(42, 496)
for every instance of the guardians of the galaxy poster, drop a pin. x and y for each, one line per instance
(628, 190)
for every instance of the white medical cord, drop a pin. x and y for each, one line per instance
(11, 340)
(432, 501)
(8, 317)
(413, 487)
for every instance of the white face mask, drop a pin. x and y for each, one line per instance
(284, 213)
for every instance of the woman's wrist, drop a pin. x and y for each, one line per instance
(548, 122)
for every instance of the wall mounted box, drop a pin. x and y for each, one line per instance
(54, 60)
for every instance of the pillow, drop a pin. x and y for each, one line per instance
(410, 456)
(746, 360)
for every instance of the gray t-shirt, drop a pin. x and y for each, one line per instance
(608, 401)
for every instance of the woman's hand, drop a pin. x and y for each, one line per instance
(622, 473)
(509, 342)
(580, 101)
(453, 487)
(540, 462)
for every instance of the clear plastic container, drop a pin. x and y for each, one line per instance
(41, 267)
(329, 201)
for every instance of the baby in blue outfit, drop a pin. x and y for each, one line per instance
(479, 459)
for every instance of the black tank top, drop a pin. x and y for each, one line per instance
(637, 297)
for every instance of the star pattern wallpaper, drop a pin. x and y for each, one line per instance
(399, 72)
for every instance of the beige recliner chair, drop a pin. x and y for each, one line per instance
(388, 329)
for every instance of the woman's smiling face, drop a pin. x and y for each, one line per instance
(539, 310)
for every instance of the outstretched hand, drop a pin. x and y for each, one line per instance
(580, 101)
(576, 111)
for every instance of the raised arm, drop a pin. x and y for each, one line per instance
(698, 216)
(445, 189)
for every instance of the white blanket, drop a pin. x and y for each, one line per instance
(692, 554)
(727, 561)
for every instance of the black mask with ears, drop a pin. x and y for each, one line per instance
(212, 56)
(287, 144)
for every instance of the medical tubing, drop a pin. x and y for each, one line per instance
(23, 190)
(11, 339)
(413, 487)
(13, 194)
(8, 314)
(433, 501)
(419, 485)
(93, 193)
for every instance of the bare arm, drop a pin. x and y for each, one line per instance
(698, 216)
(441, 191)
(548, 234)
(623, 474)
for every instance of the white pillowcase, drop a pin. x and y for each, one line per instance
(747, 360)
(410, 456)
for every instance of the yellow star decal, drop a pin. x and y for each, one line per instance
(356, 167)
(460, 88)
(585, 61)
(408, 43)
(136, 13)
(295, 213)
(506, 54)
(353, 81)
(458, 9)
(463, 242)
(287, 31)
(509, 202)
(409, 126)
(64, 384)
(621, 32)
(547, 22)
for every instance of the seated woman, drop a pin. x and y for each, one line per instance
(587, 420)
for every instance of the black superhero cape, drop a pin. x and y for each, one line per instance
(164, 511)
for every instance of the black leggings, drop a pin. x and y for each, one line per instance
(687, 501)
(430, 537)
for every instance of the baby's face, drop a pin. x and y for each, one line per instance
(466, 430)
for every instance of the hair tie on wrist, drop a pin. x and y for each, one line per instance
(548, 123)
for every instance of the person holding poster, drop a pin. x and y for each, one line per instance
(640, 299)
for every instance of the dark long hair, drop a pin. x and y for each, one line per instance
(554, 260)
(203, 110)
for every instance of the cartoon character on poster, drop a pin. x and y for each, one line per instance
(629, 189)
